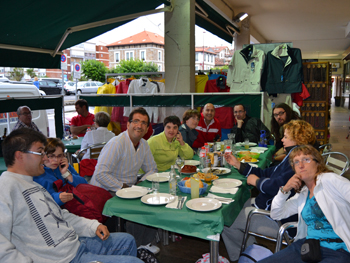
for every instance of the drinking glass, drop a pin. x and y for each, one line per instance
(180, 162)
(246, 143)
(155, 185)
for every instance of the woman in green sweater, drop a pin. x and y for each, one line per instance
(166, 146)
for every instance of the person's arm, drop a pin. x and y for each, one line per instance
(75, 130)
(185, 150)
(77, 179)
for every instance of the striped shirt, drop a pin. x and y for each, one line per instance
(21, 124)
(119, 163)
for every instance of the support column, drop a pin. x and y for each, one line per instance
(244, 36)
(180, 47)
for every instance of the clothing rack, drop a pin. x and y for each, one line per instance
(133, 74)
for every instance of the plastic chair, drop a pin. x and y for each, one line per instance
(94, 149)
(286, 240)
(337, 162)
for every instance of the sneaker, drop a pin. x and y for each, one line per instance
(150, 247)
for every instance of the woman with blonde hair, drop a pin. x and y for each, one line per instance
(323, 206)
(267, 181)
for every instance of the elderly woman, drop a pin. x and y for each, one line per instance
(323, 206)
(267, 181)
(166, 146)
(190, 120)
(100, 135)
(57, 167)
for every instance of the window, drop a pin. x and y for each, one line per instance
(196, 67)
(196, 56)
(117, 56)
(212, 57)
(160, 55)
(129, 55)
(159, 67)
(143, 55)
(101, 55)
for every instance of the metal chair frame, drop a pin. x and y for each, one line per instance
(95, 150)
(335, 164)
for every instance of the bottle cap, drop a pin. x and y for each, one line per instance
(206, 143)
(228, 147)
(203, 148)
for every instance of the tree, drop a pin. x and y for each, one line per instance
(94, 70)
(17, 74)
(222, 67)
(31, 72)
(133, 66)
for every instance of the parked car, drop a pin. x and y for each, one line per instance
(49, 87)
(85, 87)
(58, 83)
(4, 79)
(68, 86)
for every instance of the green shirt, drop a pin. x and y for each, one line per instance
(165, 153)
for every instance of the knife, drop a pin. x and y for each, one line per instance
(182, 202)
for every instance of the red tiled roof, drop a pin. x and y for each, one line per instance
(206, 50)
(144, 37)
(218, 49)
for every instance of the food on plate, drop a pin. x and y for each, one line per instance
(218, 171)
(247, 159)
(75, 137)
(189, 169)
(188, 183)
(203, 175)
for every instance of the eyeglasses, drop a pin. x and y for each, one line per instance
(52, 156)
(42, 154)
(278, 114)
(238, 112)
(26, 113)
(304, 160)
(143, 123)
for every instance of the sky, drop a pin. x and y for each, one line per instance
(155, 23)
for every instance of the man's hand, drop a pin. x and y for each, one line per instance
(65, 197)
(102, 232)
(125, 186)
(239, 123)
(251, 179)
(293, 183)
(232, 160)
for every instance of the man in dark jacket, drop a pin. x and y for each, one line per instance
(247, 127)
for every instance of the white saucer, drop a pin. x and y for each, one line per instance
(131, 193)
(162, 177)
(203, 204)
(157, 199)
(227, 183)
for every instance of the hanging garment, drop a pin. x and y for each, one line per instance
(245, 69)
(298, 98)
(105, 89)
(200, 81)
(283, 70)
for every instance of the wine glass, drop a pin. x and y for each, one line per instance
(180, 162)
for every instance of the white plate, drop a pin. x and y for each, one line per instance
(242, 144)
(258, 149)
(131, 193)
(192, 162)
(227, 171)
(157, 199)
(249, 162)
(227, 183)
(162, 177)
(203, 204)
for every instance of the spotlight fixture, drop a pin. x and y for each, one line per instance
(238, 18)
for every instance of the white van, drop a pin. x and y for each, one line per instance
(39, 117)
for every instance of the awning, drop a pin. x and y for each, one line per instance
(210, 18)
(41, 24)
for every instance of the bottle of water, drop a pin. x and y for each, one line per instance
(88, 129)
(263, 140)
(172, 181)
(206, 146)
(227, 151)
(202, 156)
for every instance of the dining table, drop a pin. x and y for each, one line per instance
(206, 225)
(72, 145)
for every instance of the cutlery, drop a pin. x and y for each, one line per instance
(179, 203)
(182, 202)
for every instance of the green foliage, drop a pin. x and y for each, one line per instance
(133, 66)
(94, 70)
(17, 74)
(31, 72)
(218, 68)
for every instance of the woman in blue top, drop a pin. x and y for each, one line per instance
(57, 167)
(322, 203)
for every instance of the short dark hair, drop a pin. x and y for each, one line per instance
(20, 140)
(102, 118)
(240, 105)
(81, 103)
(52, 144)
(189, 114)
(172, 119)
(141, 111)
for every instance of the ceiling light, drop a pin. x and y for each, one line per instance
(240, 17)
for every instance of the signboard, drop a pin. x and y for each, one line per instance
(77, 71)
(63, 62)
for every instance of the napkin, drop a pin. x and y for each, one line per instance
(223, 200)
(141, 187)
(216, 189)
(173, 204)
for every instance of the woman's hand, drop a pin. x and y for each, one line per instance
(179, 138)
(232, 160)
(251, 179)
(63, 165)
(102, 232)
(65, 197)
(293, 183)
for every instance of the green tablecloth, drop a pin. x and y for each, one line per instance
(185, 221)
(73, 145)
(2, 165)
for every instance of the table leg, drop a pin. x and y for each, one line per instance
(165, 237)
(214, 251)
(70, 158)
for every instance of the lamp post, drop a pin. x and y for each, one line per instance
(203, 50)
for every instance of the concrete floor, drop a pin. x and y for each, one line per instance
(189, 249)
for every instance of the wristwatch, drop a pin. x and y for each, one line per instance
(66, 174)
(283, 192)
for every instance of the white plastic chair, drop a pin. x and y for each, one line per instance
(337, 162)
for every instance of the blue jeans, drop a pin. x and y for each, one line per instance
(119, 247)
(291, 254)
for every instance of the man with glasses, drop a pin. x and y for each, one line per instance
(120, 161)
(247, 127)
(25, 119)
(34, 228)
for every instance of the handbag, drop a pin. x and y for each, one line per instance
(311, 251)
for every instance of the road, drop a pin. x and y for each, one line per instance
(69, 112)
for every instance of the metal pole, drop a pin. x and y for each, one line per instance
(63, 93)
